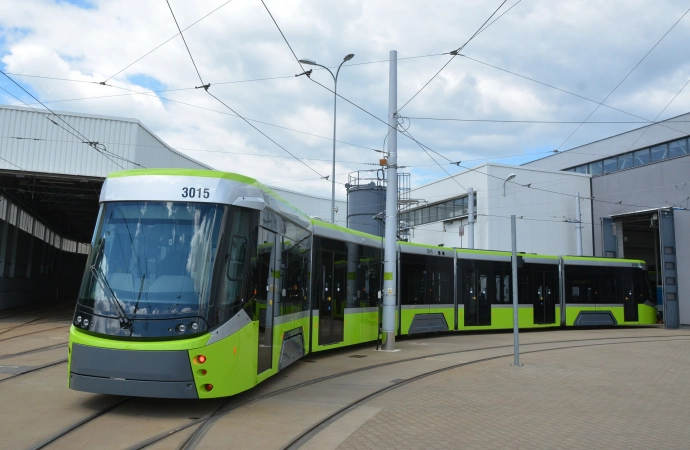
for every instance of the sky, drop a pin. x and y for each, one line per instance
(521, 87)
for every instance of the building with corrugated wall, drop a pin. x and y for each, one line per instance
(52, 167)
(51, 171)
(641, 203)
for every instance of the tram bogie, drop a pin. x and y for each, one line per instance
(207, 296)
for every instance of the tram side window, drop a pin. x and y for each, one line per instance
(293, 272)
(502, 282)
(368, 276)
(525, 282)
(237, 258)
(581, 285)
(412, 283)
(440, 278)
(261, 275)
(610, 281)
(643, 289)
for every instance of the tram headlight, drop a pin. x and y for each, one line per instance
(181, 328)
(85, 323)
(194, 327)
(78, 320)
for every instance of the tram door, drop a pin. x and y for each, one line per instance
(544, 297)
(630, 303)
(332, 297)
(477, 298)
(266, 276)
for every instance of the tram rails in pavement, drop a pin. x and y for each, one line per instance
(203, 284)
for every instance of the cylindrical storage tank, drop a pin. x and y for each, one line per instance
(363, 203)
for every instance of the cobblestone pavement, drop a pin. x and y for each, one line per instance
(622, 395)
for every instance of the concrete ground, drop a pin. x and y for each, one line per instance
(598, 388)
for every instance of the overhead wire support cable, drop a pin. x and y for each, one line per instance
(624, 78)
(453, 54)
(187, 47)
(206, 86)
(162, 44)
(78, 134)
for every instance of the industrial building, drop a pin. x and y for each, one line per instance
(633, 194)
(640, 203)
(52, 168)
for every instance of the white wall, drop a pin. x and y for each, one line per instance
(544, 207)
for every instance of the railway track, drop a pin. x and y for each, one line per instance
(36, 320)
(204, 424)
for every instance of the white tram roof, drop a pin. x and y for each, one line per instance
(204, 186)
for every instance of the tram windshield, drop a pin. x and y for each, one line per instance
(152, 260)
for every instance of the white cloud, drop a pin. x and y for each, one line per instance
(585, 47)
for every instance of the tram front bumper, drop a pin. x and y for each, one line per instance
(163, 374)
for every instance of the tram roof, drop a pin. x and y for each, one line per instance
(227, 195)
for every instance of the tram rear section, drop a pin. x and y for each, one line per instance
(203, 284)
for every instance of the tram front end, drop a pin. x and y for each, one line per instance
(160, 310)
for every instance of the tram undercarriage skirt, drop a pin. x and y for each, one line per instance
(130, 372)
(133, 388)
(428, 323)
(595, 319)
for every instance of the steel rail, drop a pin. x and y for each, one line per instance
(207, 422)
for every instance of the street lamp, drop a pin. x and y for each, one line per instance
(335, 100)
(510, 177)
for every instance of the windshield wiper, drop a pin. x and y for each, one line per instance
(125, 321)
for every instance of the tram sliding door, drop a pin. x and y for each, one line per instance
(266, 276)
(544, 297)
(332, 297)
(630, 313)
(477, 298)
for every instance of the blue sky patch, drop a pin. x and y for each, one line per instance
(146, 82)
(84, 4)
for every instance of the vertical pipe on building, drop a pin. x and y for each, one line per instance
(516, 328)
(470, 218)
(389, 272)
(578, 226)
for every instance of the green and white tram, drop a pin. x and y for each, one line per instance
(202, 284)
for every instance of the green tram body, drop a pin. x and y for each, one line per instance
(186, 295)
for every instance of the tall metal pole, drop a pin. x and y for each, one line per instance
(470, 218)
(578, 227)
(335, 102)
(516, 328)
(390, 249)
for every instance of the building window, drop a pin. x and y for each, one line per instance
(596, 168)
(625, 161)
(610, 165)
(659, 152)
(447, 210)
(641, 157)
(678, 148)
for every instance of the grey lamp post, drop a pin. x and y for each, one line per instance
(510, 177)
(335, 100)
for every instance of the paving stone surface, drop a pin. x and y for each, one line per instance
(625, 395)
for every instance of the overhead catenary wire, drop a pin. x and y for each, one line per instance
(659, 115)
(407, 134)
(624, 78)
(73, 131)
(206, 88)
(453, 54)
(162, 44)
